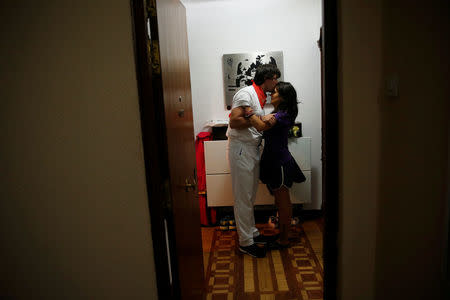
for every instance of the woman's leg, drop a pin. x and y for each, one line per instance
(283, 202)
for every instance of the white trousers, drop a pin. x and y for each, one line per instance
(244, 168)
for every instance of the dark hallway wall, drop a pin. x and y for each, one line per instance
(393, 150)
(73, 210)
(413, 150)
(359, 82)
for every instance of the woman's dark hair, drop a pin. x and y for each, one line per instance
(289, 102)
(264, 72)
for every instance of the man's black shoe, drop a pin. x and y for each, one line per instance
(253, 250)
(277, 246)
(264, 239)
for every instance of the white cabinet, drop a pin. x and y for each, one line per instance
(218, 190)
(301, 192)
(300, 149)
(218, 178)
(216, 161)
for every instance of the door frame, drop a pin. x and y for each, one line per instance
(330, 131)
(154, 166)
(151, 108)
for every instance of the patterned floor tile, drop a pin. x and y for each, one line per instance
(294, 273)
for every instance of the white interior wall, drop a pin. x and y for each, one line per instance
(236, 26)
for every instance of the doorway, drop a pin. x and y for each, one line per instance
(158, 129)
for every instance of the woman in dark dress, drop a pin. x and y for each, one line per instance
(278, 169)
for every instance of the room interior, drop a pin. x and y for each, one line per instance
(217, 28)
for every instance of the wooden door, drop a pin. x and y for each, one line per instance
(175, 72)
(162, 64)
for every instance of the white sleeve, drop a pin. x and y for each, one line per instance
(241, 99)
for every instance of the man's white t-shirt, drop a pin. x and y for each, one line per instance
(246, 97)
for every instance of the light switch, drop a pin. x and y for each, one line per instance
(392, 85)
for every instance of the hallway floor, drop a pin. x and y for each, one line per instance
(294, 273)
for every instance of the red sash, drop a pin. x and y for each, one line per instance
(262, 97)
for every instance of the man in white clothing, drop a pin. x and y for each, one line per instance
(244, 155)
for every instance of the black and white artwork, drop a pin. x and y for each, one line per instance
(239, 69)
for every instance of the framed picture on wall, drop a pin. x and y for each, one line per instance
(239, 70)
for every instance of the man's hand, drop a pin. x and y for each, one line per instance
(237, 118)
(248, 110)
(269, 119)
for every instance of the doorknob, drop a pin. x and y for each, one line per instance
(188, 185)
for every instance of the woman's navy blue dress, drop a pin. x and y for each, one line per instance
(277, 166)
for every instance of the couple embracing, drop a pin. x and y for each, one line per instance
(275, 167)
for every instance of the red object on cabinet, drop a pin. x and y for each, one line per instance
(201, 179)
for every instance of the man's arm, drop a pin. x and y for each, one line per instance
(238, 120)
(260, 123)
